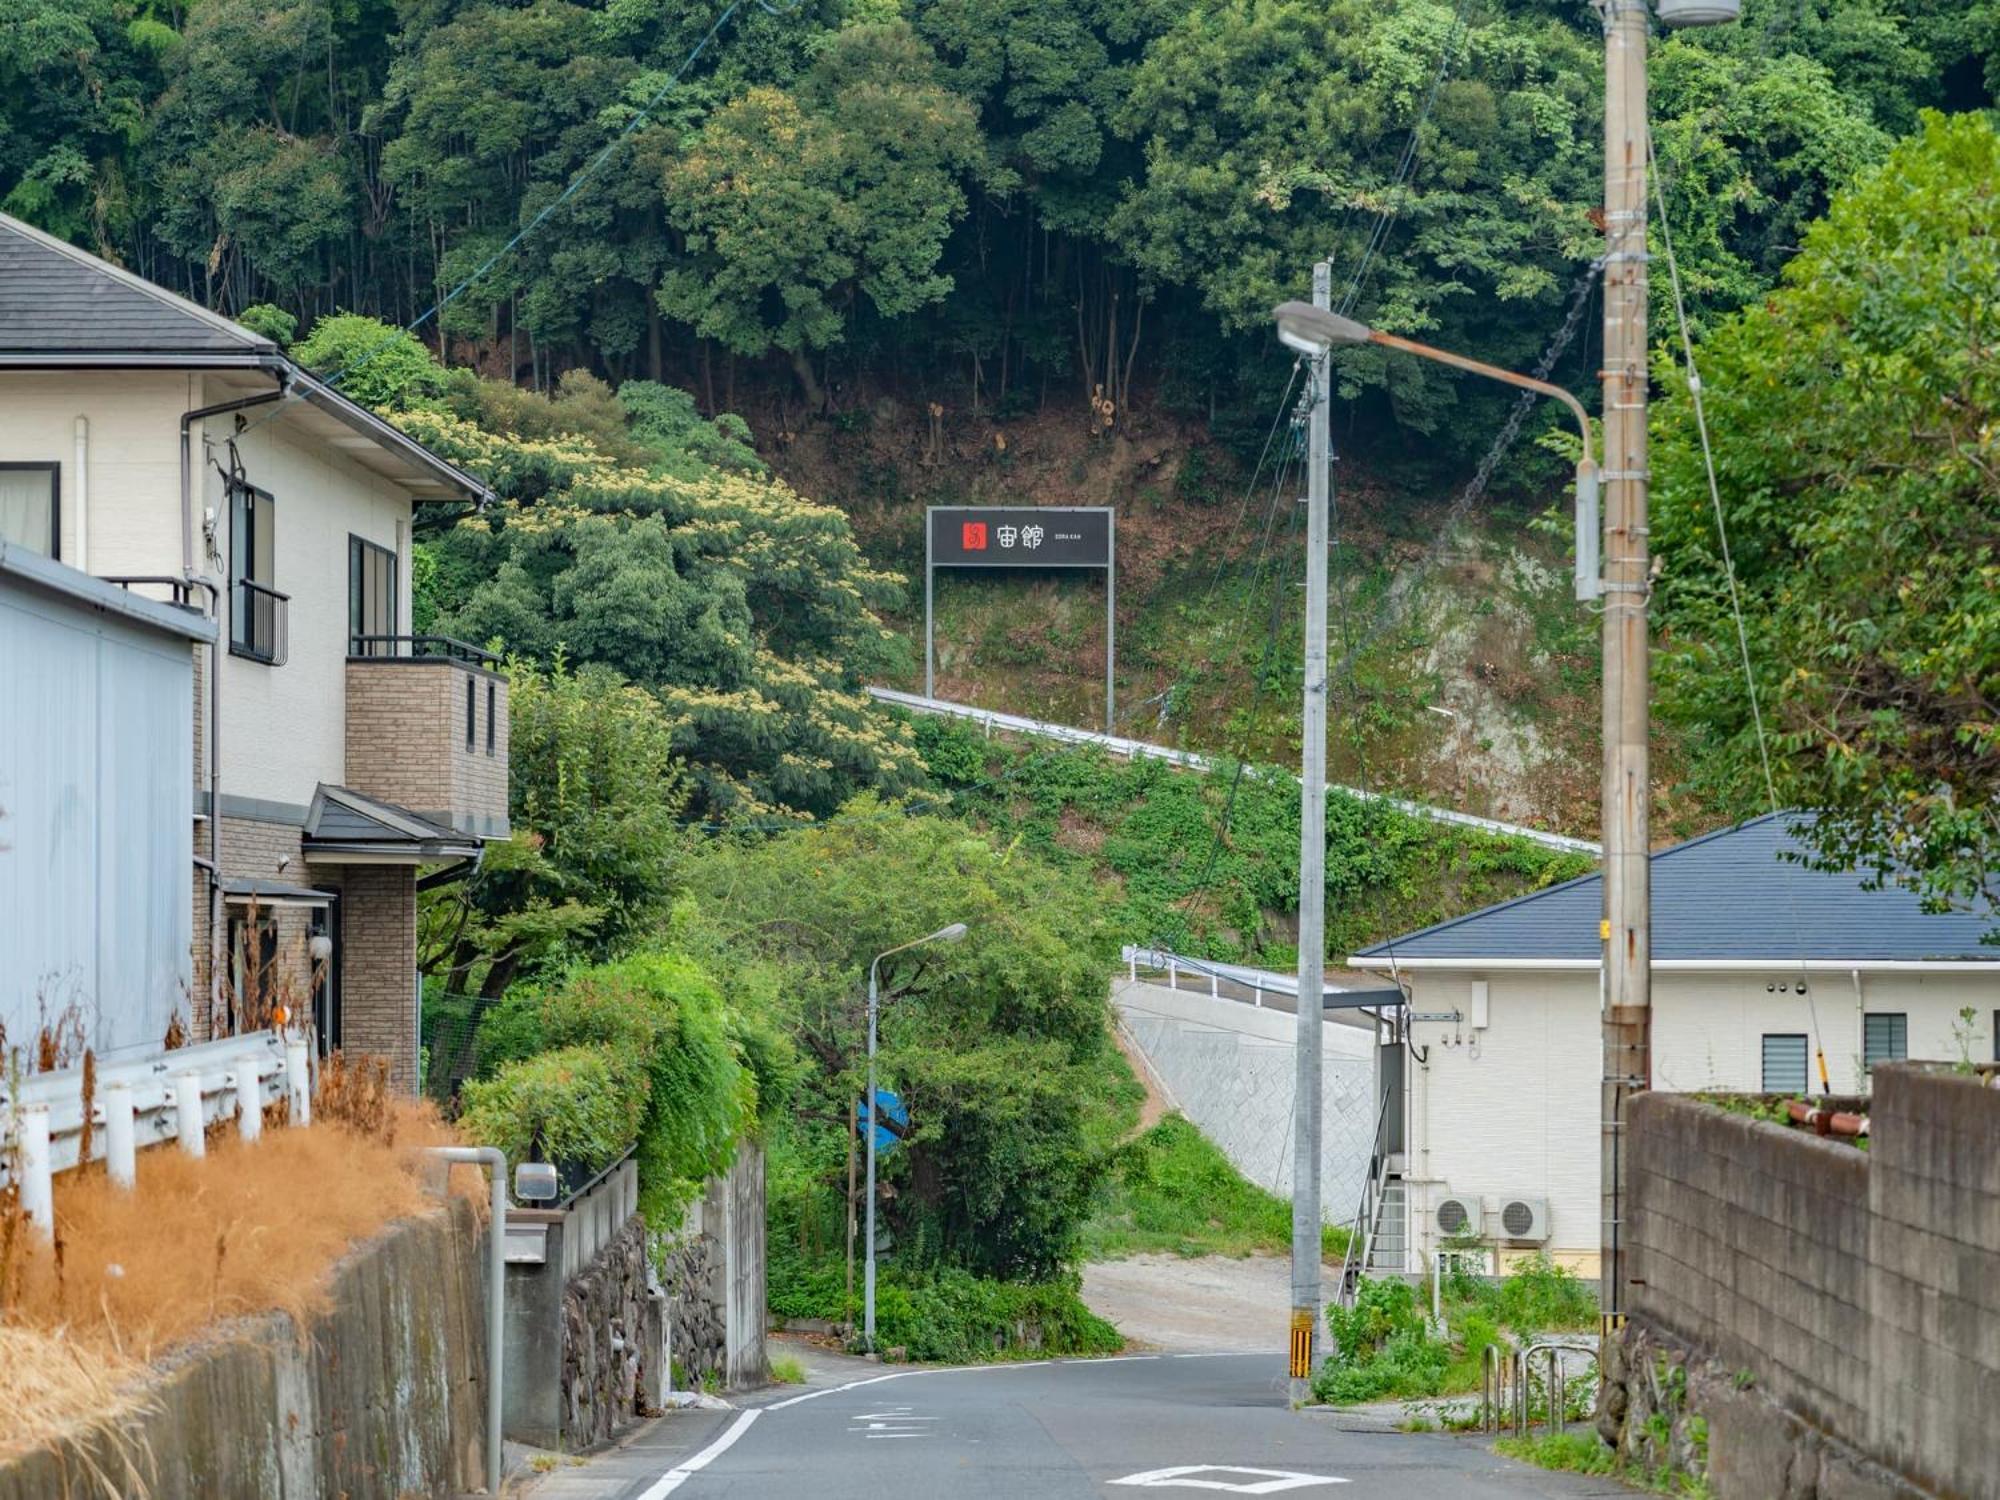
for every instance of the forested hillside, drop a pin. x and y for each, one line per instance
(989, 206)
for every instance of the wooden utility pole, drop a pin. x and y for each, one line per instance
(1312, 886)
(1627, 927)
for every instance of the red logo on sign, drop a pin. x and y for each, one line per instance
(973, 536)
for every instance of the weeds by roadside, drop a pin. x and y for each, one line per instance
(1586, 1453)
(787, 1370)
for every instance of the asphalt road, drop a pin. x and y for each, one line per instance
(1103, 1429)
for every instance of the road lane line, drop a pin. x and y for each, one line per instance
(675, 1477)
(1024, 1364)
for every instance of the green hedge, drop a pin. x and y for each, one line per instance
(644, 1050)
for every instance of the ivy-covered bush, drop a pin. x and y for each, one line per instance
(580, 1106)
(680, 1074)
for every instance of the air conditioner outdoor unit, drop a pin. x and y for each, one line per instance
(1524, 1219)
(1457, 1215)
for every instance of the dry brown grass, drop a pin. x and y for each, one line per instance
(248, 1229)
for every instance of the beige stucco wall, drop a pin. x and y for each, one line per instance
(1512, 1109)
(283, 729)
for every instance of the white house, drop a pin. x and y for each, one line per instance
(1760, 965)
(336, 757)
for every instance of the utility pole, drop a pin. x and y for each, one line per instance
(1312, 885)
(1627, 924)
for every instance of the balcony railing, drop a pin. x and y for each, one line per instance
(175, 590)
(419, 647)
(259, 622)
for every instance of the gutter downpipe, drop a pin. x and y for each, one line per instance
(495, 1161)
(216, 611)
(82, 494)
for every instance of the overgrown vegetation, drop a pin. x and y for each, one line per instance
(1148, 833)
(1386, 1345)
(643, 1051)
(1172, 1191)
(1586, 1453)
(1852, 415)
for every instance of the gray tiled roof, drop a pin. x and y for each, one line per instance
(56, 299)
(1725, 895)
(342, 815)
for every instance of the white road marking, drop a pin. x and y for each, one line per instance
(1263, 1481)
(680, 1474)
(1025, 1364)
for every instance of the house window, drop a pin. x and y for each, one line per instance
(371, 598)
(471, 713)
(31, 507)
(1885, 1037)
(1784, 1063)
(491, 698)
(256, 608)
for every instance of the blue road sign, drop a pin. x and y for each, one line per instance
(894, 1114)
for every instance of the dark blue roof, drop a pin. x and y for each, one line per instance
(1724, 895)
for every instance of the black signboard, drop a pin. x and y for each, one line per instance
(1026, 536)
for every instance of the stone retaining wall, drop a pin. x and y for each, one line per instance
(381, 1396)
(613, 1326)
(1808, 1319)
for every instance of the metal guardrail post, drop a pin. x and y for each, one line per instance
(190, 1122)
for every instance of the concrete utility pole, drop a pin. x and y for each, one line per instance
(1312, 885)
(1627, 926)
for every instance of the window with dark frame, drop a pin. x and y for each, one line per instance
(492, 693)
(1885, 1037)
(371, 598)
(255, 604)
(1784, 1063)
(31, 507)
(471, 714)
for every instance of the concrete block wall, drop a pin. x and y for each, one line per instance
(381, 1396)
(406, 724)
(1857, 1293)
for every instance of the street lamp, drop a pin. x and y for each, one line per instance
(951, 934)
(1314, 330)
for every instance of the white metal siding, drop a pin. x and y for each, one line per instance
(96, 842)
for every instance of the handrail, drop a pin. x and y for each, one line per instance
(1364, 1218)
(183, 590)
(261, 629)
(419, 647)
(1142, 749)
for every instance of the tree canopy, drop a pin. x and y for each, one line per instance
(1855, 419)
(977, 201)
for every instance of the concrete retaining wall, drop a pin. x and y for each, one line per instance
(1829, 1317)
(715, 1281)
(1228, 1066)
(380, 1397)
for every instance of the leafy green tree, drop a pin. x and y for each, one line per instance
(795, 204)
(376, 365)
(596, 796)
(1000, 1044)
(1854, 417)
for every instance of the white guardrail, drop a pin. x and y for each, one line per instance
(1132, 749)
(144, 1101)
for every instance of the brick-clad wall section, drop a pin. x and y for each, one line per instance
(406, 740)
(378, 933)
(252, 850)
(1856, 1293)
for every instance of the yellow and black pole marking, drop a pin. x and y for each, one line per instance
(1302, 1344)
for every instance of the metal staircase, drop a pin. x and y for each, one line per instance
(1389, 1238)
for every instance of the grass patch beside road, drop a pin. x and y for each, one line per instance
(1385, 1345)
(1173, 1192)
(1586, 1453)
